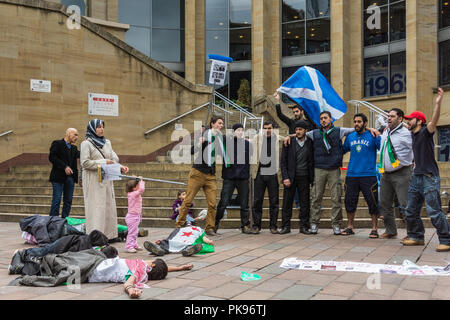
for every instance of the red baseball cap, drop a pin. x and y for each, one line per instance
(418, 115)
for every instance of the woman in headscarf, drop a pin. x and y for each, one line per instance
(99, 199)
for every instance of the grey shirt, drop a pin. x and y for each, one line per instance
(401, 139)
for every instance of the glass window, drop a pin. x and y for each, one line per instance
(293, 41)
(444, 21)
(164, 50)
(444, 63)
(167, 14)
(397, 20)
(317, 9)
(240, 13)
(317, 36)
(240, 44)
(398, 73)
(293, 10)
(376, 36)
(444, 142)
(384, 77)
(139, 38)
(216, 14)
(241, 80)
(376, 75)
(392, 22)
(216, 42)
(134, 12)
(80, 3)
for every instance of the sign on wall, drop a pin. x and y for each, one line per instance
(103, 104)
(40, 85)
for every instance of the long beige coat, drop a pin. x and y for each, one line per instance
(99, 199)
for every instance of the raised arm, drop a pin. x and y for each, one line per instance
(280, 114)
(436, 112)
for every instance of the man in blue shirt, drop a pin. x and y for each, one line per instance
(361, 173)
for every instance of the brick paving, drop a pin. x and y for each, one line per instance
(217, 276)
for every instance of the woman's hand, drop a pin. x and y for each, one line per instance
(109, 161)
(124, 169)
(134, 293)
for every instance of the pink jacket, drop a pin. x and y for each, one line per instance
(135, 199)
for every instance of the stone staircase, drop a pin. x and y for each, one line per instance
(25, 191)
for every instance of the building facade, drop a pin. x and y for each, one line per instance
(392, 53)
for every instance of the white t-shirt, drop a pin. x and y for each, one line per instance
(110, 270)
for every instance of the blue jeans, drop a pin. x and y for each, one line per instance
(41, 251)
(58, 189)
(425, 188)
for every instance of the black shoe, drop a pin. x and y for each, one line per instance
(190, 250)
(154, 248)
(16, 265)
(142, 233)
(304, 230)
(211, 232)
(285, 230)
(274, 231)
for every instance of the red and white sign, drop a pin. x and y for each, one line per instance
(103, 104)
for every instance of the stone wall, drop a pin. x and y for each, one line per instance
(35, 43)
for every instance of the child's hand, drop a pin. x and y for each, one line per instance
(134, 293)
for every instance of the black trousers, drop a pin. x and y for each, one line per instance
(261, 183)
(225, 199)
(302, 185)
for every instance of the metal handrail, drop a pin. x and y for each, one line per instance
(6, 133)
(370, 106)
(183, 115)
(234, 105)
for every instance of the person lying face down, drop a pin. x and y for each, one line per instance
(73, 243)
(187, 241)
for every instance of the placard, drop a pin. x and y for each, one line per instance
(218, 72)
(40, 85)
(103, 104)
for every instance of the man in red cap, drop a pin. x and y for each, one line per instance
(425, 183)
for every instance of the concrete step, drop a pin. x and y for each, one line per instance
(228, 223)
(149, 201)
(157, 212)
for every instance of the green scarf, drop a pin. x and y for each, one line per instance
(391, 153)
(212, 149)
(325, 137)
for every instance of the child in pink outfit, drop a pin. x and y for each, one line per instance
(134, 188)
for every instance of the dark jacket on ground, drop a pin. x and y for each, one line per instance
(288, 160)
(61, 157)
(66, 267)
(237, 171)
(81, 242)
(46, 229)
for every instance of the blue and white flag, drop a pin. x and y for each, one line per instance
(311, 90)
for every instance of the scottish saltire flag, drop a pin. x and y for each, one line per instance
(311, 90)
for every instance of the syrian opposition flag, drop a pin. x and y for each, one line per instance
(311, 90)
(180, 238)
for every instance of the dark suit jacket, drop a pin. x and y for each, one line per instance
(61, 157)
(288, 160)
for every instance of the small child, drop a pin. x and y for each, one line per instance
(134, 188)
(176, 209)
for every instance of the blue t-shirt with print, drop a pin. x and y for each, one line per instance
(363, 154)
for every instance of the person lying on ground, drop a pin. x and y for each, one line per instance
(187, 241)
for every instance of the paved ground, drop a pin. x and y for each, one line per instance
(217, 276)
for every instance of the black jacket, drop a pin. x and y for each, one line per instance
(45, 229)
(61, 157)
(77, 243)
(291, 122)
(237, 171)
(288, 160)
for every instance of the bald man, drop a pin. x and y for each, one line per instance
(64, 155)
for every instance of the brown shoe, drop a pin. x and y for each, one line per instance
(412, 242)
(388, 236)
(247, 230)
(443, 248)
(211, 233)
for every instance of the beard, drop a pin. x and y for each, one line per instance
(360, 129)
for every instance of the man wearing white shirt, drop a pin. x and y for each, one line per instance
(396, 158)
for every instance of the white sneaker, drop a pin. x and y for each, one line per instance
(132, 250)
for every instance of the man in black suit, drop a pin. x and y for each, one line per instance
(64, 155)
(297, 170)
